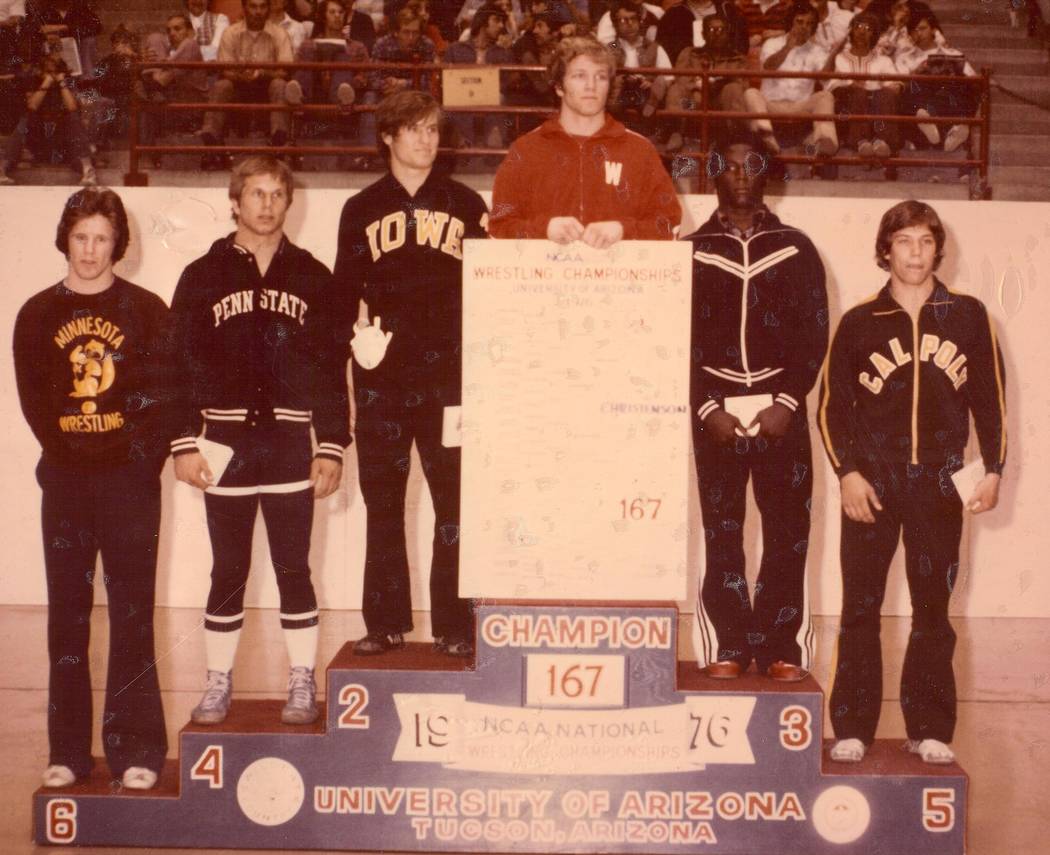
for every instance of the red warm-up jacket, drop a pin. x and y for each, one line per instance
(614, 174)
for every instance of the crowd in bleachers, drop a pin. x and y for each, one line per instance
(65, 101)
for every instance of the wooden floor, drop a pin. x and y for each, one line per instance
(1002, 740)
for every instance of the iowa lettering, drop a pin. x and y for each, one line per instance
(945, 355)
(270, 300)
(434, 228)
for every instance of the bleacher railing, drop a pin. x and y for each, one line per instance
(703, 118)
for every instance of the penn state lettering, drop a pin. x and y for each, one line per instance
(943, 352)
(437, 229)
(270, 300)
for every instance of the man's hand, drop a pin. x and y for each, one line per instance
(325, 475)
(193, 469)
(564, 229)
(859, 499)
(723, 426)
(773, 421)
(603, 234)
(369, 343)
(985, 494)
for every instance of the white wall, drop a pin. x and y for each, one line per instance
(995, 251)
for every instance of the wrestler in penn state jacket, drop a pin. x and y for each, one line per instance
(760, 314)
(895, 392)
(229, 372)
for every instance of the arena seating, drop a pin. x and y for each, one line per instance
(1019, 141)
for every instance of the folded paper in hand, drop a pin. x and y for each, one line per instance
(216, 455)
(745, 408)
(967, 479)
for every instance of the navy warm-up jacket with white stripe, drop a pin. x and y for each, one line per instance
(760, 314)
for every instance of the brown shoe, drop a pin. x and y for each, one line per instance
(727, 669)
(786, 672)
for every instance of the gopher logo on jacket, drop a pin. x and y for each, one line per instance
(93, 370)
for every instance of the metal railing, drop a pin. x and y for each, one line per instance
(703, 117)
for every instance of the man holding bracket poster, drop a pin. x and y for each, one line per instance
(760, 332)
(582, 175)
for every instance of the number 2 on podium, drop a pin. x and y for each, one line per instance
(354, 697)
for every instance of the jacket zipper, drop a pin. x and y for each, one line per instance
(746, 284)
(915, 389)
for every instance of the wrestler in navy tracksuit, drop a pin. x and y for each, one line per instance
(260, 359)
(403, 255)
(760, 326)
(896, 399)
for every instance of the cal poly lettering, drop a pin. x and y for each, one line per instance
(945, 355)
(437, 229)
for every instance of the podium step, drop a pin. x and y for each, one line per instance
(575, 730)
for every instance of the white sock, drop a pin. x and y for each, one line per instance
(220, 649)
(302, 646)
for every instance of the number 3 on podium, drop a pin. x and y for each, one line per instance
(796, 732)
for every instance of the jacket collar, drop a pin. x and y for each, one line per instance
(718, 224)
(610, 130)
(939, 296)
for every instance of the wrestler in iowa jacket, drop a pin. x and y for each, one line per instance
(760, 314)
(895, 391)
(250, 347)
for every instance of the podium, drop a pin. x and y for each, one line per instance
(575, 730)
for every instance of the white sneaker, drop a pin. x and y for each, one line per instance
(293, 93)
(864, 149)
(848, 751)
(58, 776)
(89, 178)
(216, 701)
(139, 778)
(345, 94)
(929, 130)
(956, 136)
(880, 148)
(302, 697)
(931, 751)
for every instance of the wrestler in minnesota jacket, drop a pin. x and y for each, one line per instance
(613, 175)
(760, 314)
(251, 347)
(92, 375)
(895, 391)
